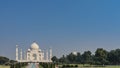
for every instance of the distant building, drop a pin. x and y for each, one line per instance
(33, 54)
(75, 53)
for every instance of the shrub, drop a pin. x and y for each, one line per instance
(71, 66)
(76, 65)
(68, 65)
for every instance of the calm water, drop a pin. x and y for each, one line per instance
(32, 65)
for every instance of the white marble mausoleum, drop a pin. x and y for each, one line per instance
(33, 54)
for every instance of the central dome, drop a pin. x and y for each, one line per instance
(34, 46)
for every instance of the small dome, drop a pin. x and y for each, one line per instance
(34, 46)
(28, 49)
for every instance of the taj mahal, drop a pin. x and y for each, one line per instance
(33, 54)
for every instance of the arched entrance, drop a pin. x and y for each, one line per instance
(34, 56)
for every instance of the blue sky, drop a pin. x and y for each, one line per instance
(64, 25)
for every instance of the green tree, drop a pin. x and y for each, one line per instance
(117, 53)
(113, 56)
(86, 56)
(101, 56)
(79, 58)
(54, 59)
(72, 58)
(63, 60)
(3, 60)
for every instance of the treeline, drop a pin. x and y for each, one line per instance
(47, 65)
(101, 57)
(5, 61)
(18, 65)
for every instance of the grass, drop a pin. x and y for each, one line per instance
(80, 66)
(112, 67)
(102, 67)
(94, 66)
(2, 66)
(107, 66)
(40, 66)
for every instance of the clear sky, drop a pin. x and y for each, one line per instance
(63, 25)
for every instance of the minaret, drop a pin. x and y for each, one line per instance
(16, 52)
(21, 55)
(24, 55)
(43, 55)
(50, 54)
(47, 55)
